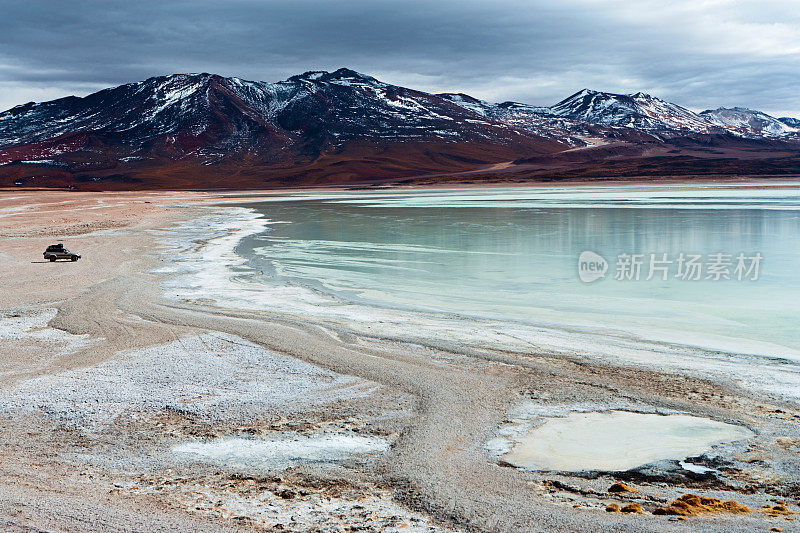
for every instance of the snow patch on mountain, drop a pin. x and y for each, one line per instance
(638, 111)
(749, 122)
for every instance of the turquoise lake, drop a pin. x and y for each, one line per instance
(511, 255)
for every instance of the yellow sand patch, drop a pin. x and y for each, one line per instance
(776, 510)
(693, 505)
(621, 487)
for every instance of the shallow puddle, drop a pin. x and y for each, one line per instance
(618, 440)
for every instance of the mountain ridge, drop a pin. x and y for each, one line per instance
(338, 126)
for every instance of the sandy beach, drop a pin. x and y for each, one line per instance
(127, 405)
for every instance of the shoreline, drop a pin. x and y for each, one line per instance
(438, 405)
(709, 356)
(644, 182)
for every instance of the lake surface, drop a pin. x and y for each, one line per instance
(511, 255)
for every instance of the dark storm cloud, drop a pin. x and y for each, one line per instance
(696, 53)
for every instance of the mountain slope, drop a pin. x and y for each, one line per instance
(639, 111)
(254, 132)
(748, 122)
(205, 130)
(212, 117)
(791, 122)
(541, 120)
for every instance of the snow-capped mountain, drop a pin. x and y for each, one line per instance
(538, 119)
(324, 126)
(209, 116)
(748, 122)
(638, 111)
(641, 111)
(213, 116)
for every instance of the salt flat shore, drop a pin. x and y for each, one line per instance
(130, 403)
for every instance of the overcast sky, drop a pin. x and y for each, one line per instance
(696, 53)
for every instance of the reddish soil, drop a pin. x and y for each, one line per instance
(424, 163)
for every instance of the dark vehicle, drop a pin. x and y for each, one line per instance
(57, 251)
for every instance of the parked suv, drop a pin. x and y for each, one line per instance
(57, 251)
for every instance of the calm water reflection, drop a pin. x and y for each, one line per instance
(512, 255)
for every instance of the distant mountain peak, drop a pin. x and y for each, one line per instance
(344, 72)
(583, 93)
(738, 109)
(639, 111)
(748, 122)
(341, 76)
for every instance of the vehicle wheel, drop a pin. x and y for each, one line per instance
(52, 259)
(74, 258)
